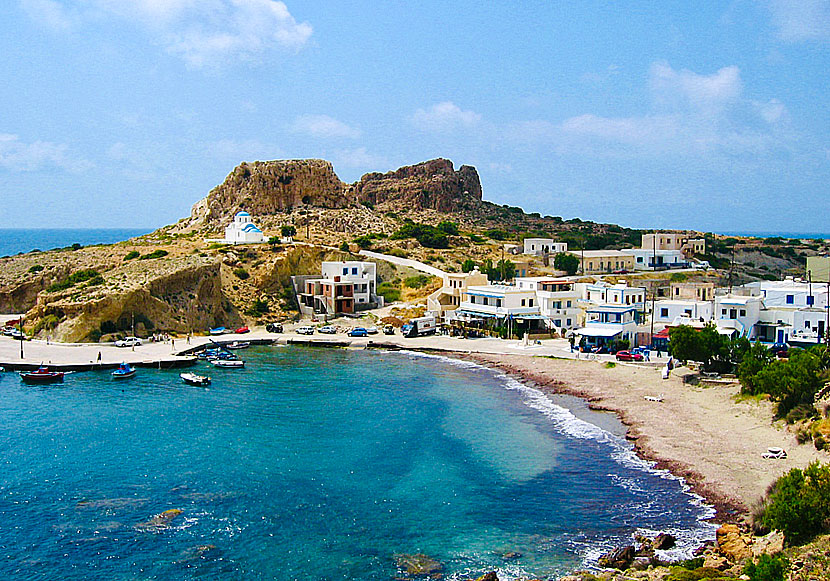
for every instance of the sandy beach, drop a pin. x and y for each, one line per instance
(698, 432)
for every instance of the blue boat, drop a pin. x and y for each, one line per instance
(124, 371)
(218, 331)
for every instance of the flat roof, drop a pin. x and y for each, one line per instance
(599, 331)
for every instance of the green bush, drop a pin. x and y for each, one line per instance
(35, 268)
(418, 281)
(241, 273)
(428, 236)
(259, 308)
(363, 241)
(468, 265)
(476, 238)
(155, 254)
(567, 262)
(450, 228)
(389, 292)
(345, 247)
(75, 278)
(133, 254)
(699, 574)
(799, 503)
(768, 568)
(496, 234)
(399, 252)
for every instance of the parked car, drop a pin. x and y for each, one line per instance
(358, 332)
(128, 342)
(242, 330)
(775, 454)
(305, 330)
(779, 349)
(629, 356)
(327, 329)
(372, 330)
(389, 330)
(274, 327)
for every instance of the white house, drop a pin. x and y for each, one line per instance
(361, 274)
(243, 231)
(558, 301)
(677, 312)
(606, 324)
(737, 315)
(648, 259)
(541, 246)
(508, 305)
(602, 293)
(448, 297)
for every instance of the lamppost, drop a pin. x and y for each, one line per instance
(20, 328)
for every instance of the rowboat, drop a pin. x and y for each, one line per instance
(193, 379)
(42, 375)
(238, 345)
(124, 371)
(228, 363)
(218, 331)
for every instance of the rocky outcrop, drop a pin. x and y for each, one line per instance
(266, 188)
(431, 185)
(418, 565)
(269, 187)
(732, 544)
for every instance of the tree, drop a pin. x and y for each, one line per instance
(685, 345)
(792, 382)
(450, 228)
(567, 262)
(288, 231)
(799, 503)
(756, 359)
(468, 265)
(502, 270)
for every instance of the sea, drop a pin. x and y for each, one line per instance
(14, 241)
(320, 464)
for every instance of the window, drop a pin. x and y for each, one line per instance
(345, 270)
(558, 322)
(810, 300)
(676, 291)
(569, 322)
(790, 299)
(569, 304)
(687, 312)
(723, 312)
(354, 270)
(530, 303)
(664, 312)
(743, 312)
(523, 302)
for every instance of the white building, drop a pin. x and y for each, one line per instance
(541, 246)
(793, 311)
(558, 301)
(649, 259)
(680, 312)
(737, 315)
(361, 274)
(607, 324)
(448, 297)
(243, 231)
(503, 304)
(602, 293)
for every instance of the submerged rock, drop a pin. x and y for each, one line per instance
(159, 522)
(418, 565)
(198, 553)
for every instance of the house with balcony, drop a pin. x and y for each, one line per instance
(602, 293)
(323, 296)
(736, 315)
(558, 301)
(607, 324)
(793, 311)
(686, 244)
(649, 259)
(448, 298)
(672, 313)
(501, 305)
(692, 291)
(361, 274)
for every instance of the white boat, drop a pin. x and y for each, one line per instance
(228, 363)
(193, 379)
(238, 345)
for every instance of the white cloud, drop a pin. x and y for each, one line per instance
(48, 13)
(708, 93)
(772, 111)
(359, 158)
(445, 117)
(205, 33)
(16, 155)
(801, 20)
(323, 126)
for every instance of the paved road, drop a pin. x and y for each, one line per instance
(406, 262)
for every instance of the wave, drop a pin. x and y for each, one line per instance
(566, 423)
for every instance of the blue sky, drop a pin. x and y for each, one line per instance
(709, 116)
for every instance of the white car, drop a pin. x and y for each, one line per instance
(372, 330)
(775, 453)
(128, 342)
(328, 329)
(305, 330)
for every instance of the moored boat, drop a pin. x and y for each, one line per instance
(124, 371)
(42, 375)
(193, 379)
(218, 331)
(228, 363)
(238, 345)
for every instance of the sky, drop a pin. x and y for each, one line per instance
(713, 116)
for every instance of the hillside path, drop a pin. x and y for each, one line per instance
(406, 262)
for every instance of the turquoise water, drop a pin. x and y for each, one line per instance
(14, 241)
(314, 464)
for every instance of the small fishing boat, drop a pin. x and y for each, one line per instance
(42, 375)
(124, 371)
(228, 363)
(218, 331)
(238, 345)
(193, 379)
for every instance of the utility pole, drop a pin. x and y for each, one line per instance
(651, 317)
(20, 328)
(654, 252)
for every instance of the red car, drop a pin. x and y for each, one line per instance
(629, 356)
(242, 330)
